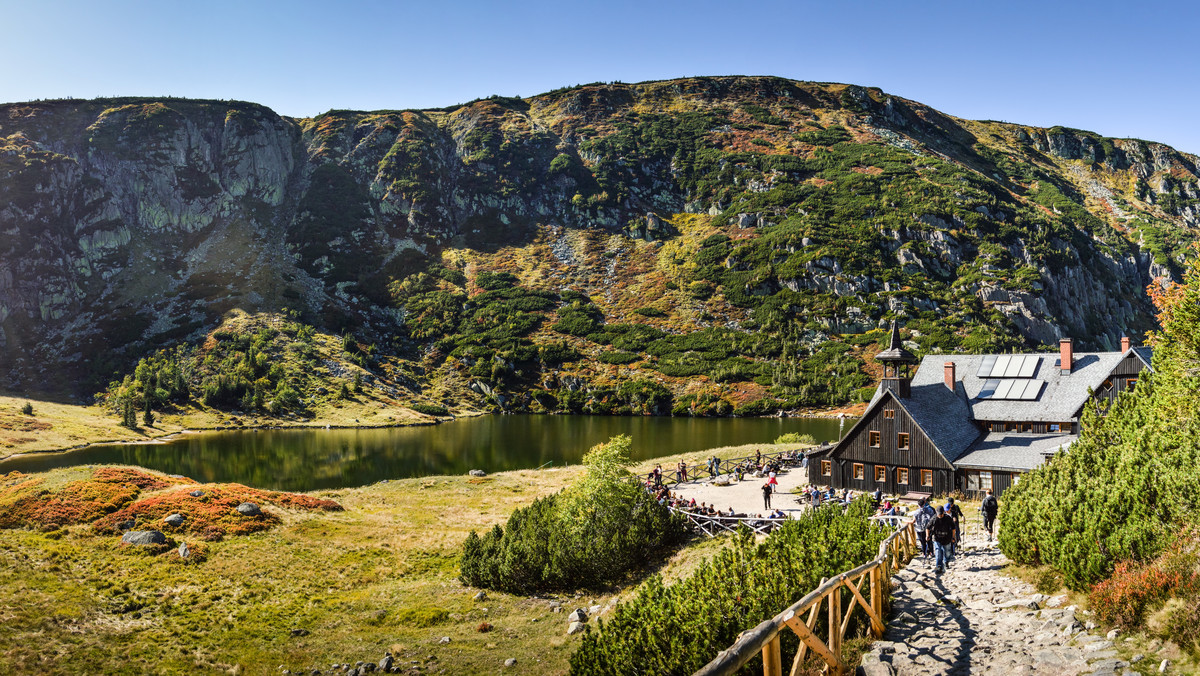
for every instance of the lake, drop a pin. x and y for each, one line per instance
(308, 459)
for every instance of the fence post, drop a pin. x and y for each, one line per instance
(835, 622)
(877, 595)
(772, 658)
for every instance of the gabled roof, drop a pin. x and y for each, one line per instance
(1058, 401)
(941, 414)
(1013, 451)
(1143, 353)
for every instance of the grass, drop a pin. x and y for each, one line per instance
(382, 575)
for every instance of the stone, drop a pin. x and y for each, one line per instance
(197, 494)
(174, 520)
(1162, 666)
(555, 604)
(594, 610)
(1096, 646)
(477, 472)
(1137, 658)
(1056, 601)
(481, 596)
(578, 615)
(299, 632)
(249, 509)
(510, 662)
(1089, 625)
(575, 628)
(128, 524)
(1113, 634)
(144, 537)
(385, 664)
(444, 639)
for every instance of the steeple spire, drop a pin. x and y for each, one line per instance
(896, 363)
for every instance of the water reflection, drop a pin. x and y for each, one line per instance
(315, 459)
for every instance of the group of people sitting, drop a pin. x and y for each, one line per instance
(756, 467)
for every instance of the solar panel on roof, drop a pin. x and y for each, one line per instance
(985, 367)
(1014, 367)
(1030, 367)
(1032, 389)
(1001, 366)
(1003, 389)
(989, 388)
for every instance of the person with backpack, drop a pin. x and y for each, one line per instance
(989, 509)
(766, 489)
(955, 512)
(921, 522)
(943, 533)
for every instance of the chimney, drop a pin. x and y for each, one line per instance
(1066, 356)
(1124, 344)
(948, 375)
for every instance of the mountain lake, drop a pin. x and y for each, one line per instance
(312, 459)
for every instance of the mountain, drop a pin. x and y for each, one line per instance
(704, 245)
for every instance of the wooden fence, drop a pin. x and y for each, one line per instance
(728, 465)
(869, 587)
(713, 526)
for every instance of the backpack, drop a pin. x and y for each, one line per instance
(923, 519)
(990, 506)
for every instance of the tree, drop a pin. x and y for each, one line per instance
(27, 409)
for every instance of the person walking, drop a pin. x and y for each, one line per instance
(657, 476)
(955, 512)
(682, 471)
(942, 532)
(766, 489)
(922, 522)
(771, 481)
(989, 509)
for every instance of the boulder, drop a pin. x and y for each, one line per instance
(127, 525)
(444, 639)
(594, 610)
(385, 664)
(575, 628)
(197, 494)
(578, 615)
(174, 521)
(477, 472)
(510, 662)
(481, 596)
(144, 537)
(249, 509)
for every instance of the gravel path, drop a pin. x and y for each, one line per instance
(972, 619)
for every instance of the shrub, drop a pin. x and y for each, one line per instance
(678, 629)
(593, 533)
(27, 409)
(430, 409)
(795, 438)
(618, 357)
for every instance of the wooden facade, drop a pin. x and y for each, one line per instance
(872, 450)
(1122, 379)
(974, 482)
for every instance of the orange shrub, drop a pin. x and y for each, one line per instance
(143, 480)
(213, 514)
(1136, 587)
(75, 503)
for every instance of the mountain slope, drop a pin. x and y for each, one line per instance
(695, 244)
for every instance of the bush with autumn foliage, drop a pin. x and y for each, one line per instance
(1104, 512)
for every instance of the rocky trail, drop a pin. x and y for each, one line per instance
(973, 619)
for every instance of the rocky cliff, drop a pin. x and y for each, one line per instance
(752, 208)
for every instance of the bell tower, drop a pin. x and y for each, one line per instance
(897, 366)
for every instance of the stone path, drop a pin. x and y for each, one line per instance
(972, 619)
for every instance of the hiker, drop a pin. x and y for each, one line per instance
(877, 497)
(772, 482)
(955, 513)
(714, 466)
(658, 475)
(766, 489)
(921, 522)
(989, 509)
(943, 534)
(682, 471)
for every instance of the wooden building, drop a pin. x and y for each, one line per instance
(971, 422)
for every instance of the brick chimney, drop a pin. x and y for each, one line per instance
(1066, 356)
(1125, 345)
(948, 375)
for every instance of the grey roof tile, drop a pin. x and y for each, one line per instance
(1013, 451)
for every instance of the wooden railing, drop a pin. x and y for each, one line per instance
(894, 552)
(728, 465)
(713, 526)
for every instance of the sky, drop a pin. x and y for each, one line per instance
(1121, 69)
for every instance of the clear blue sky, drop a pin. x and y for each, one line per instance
(1119, 69)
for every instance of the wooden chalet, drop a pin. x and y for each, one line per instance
(971, 422)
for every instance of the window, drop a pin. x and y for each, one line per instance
(985, 481)
(901, 475)
(1010, 427)
(902, 441)
(997, 427)
(1130, 383)
(880, 473)
(873, 439)
(972, 481)
(889, 414)
(860, 472)
(826, 468)
(927, 477)
(1054, 427)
